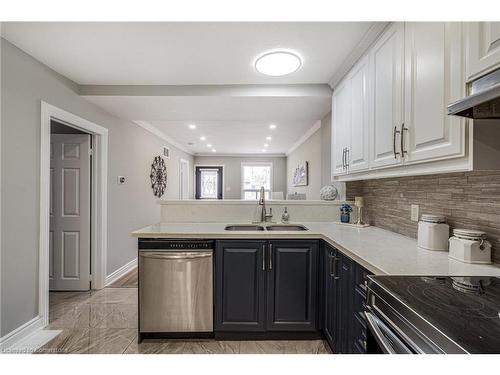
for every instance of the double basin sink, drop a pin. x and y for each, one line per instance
(270, 227)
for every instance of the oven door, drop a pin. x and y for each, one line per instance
(381, 339)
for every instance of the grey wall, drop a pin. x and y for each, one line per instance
(309, 151)
(25, 82)
(232, 171)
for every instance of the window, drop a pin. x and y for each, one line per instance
(253, 176)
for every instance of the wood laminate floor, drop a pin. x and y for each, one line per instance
(105, 321)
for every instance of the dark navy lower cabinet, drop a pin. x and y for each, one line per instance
(292, 285)
(289, 289)
(240, 285)
(344, 302)
(266, 286)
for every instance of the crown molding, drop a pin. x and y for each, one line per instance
(242, 156)
(372, 34)
(313, 129)
(153, 130)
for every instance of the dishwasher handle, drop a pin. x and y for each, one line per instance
(176, 255)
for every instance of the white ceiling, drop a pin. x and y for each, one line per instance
(197, 54)
(183, 53)
(232, 125)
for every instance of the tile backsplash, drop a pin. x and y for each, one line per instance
(470, 200)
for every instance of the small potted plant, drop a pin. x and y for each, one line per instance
(345, 213)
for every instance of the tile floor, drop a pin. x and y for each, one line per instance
(105, 321)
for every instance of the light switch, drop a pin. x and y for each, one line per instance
(414, 212)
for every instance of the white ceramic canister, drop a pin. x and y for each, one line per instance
(433, 233)
(470, 246)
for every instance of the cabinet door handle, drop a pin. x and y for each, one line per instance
(403, 129)
(395, 132)
(263, 257)
(270, 256)
(346, 157)
(334, 268)
(343, 158)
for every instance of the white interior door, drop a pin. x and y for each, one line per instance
(69, 250)
(184, 179)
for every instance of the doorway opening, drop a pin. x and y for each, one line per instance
(73, 202)
(209, 182)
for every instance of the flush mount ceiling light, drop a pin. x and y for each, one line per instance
(278, 63)
(192, 126)
(214, 150)
(272, 126)
(268, 138)
(209, 145)
(203, 138)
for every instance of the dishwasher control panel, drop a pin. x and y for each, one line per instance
(167, 244)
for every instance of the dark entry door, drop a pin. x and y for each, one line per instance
(209, 182)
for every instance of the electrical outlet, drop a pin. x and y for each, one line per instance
(120, 180)
(414, 212)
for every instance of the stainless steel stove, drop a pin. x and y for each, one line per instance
(414, 314)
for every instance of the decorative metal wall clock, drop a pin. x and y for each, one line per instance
(158, 176)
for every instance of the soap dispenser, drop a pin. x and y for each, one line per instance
(285, 217)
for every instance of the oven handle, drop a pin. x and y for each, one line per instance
(387, 340)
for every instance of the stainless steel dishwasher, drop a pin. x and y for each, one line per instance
(175, 288)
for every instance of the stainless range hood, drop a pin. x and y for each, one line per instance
(483, 101)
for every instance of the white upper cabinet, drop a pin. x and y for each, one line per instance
(434, 77)
(350, 121)
(387, 102)
(341, 124)
(358, 151)
(483, 48)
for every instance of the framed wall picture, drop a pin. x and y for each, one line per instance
(301, 174)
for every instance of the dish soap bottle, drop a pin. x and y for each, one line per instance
(285, 217)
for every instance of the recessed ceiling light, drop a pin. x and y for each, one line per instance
(203, 138)
(192, 126)
(266, 145)
(272, 126)
(278, 63)
(214, 150)
(209, 145)
(269, 138)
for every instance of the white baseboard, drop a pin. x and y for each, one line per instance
(111, 278)
(13, 338)
(34, 342)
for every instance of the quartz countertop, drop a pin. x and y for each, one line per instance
(380, 251)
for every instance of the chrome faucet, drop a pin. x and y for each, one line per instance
(264, 216)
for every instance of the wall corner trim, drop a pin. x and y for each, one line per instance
(122, 271)
(313, 129)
